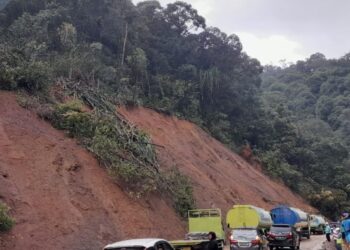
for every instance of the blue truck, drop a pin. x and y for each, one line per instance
(293, 217)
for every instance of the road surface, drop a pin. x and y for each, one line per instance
(314, 243)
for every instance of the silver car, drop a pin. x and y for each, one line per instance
(140, 244)
(247, 239)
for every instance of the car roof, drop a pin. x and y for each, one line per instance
(147, 242)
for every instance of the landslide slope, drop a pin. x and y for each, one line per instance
(59, 195)
(220, 177)
(62, 199)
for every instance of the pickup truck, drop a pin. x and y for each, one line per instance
(200, 223)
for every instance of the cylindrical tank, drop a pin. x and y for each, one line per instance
(289, 215)
(317, 220)
(247, 216)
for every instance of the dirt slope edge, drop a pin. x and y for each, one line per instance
(220, 177)
(60, 197)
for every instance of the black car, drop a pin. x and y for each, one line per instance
(247, 239)
(283, 236)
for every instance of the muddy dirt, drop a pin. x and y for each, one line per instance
(62, 199)
(220, 177)
(59, 195)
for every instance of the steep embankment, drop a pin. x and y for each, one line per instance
(60, 197)
(220, 177)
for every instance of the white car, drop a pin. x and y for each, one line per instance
(140, 244)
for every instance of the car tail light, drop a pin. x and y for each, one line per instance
(270, 235)
(255, 242)
(290, 236)
(233, 241)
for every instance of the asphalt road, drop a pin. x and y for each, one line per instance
(314, 243)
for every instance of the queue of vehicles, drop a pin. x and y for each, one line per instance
(250, 228)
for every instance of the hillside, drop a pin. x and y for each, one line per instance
(61, 198)
(59, 195)
(313, 98)
(102, 53)
(220, 177)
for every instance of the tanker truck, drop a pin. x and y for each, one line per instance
(248, 225)
(247, 216)
(293, 217)
(317, 224)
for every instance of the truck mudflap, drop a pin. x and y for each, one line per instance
(305, 233)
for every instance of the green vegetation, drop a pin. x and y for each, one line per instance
(181, 188)
(6, 222)
(111, 51)
(312, 98)
(126, 152)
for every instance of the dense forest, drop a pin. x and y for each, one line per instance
(166, 58)
(313, 96)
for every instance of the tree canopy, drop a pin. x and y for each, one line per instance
(297, 120)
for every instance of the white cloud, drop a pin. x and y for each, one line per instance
(271, 49)
(204, 7)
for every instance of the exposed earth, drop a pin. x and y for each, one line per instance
(62, 199)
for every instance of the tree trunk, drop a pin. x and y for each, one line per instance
(124, 45)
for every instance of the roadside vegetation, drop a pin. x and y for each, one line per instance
(80, 58)
(6, 221)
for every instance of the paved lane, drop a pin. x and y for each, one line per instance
(314, 243)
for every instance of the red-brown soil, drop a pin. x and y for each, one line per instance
(220, 177)
(59, 195)
(62, 199)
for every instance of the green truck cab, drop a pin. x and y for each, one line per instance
(200, 223)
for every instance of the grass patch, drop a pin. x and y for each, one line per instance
(6, 221)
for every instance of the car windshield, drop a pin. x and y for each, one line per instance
(280, 229)
(244, 234)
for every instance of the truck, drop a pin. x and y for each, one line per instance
(248, 225)
(317, 224)
(293, 217)
(200, 223)
(248, 216)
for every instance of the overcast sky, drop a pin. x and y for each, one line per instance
(273, 30)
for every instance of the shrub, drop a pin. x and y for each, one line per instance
(7, 79)
(33, 77)
(71, 117)
(124, 158)
(6, 222)
(182, 192)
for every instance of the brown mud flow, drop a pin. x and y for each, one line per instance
(220, 177)
(60, 197)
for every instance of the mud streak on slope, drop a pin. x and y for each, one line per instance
(60, 197)
(221, 178)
